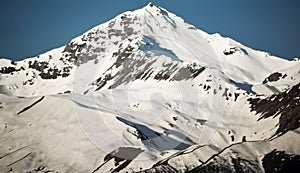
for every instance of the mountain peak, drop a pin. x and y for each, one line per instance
(150, 4)
(147, 92)
(152, 8)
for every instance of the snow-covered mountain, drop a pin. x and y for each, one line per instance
(147, 92)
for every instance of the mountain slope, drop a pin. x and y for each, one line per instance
(146, 91)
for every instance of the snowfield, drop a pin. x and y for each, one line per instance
(147, 92)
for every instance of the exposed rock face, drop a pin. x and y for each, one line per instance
(279, 161)
(273, 77)
(7, 70)
(285, 104)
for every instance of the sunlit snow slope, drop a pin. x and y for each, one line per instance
(148, 92)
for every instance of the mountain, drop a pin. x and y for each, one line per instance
(147, 92)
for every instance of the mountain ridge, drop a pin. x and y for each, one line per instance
(147, 92)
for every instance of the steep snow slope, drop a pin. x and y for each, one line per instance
(243, 64)
(144, 92)
(280, 80)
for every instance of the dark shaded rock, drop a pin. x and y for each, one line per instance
(67, 92)
(273, 77)
(212, 167)
(230, 51)
(161, 169)
(225, 94)
(13, 62)
(285, 104)
(7, 70)
(73, 49)
(279, 161)
(38, 65)
(49, 73)
(102, 82)
(186, 73)
(233, 164)
(236, 95)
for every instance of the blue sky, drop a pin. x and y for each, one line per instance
(31, 27)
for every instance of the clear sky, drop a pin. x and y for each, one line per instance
(31, 27)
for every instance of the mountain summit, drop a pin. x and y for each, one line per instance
(148, 92)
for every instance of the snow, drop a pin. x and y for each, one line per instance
(77, 123)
